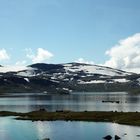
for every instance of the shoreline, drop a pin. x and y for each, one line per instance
(126, 118)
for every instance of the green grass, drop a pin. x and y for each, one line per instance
(129, 118)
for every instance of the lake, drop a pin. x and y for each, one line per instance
(77, 101)
(11, 129)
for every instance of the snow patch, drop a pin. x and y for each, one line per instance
(53, 78)
(27, 73)
(26, 79)
(12, 69)
(67, 65)
(83, 76)
(93, 69)
(55, 81)
(61, 77)
(66, 79)
(92, 82)
(123, 80)
(138, 81)
(71, 78)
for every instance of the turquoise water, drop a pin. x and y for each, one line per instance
(11, 129)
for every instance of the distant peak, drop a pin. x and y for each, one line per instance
(44, 66)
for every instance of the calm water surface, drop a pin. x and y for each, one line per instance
(76, 101)
(11, 129)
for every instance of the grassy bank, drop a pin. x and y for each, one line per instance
(129, 118)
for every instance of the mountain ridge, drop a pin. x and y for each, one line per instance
(55, 78)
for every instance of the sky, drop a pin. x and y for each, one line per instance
(105, 32)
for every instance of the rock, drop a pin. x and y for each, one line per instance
(108, 137)
(125, 134)
(46, 139)
(117, 102)
(117, 137)
(138, 135)
(42, 109)
(59, 110)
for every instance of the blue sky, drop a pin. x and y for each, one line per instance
(66, 29)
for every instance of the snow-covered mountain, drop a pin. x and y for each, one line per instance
(71, 76)
(71, 68)
(94, 69)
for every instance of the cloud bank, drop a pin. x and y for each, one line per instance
(21, 63)
(126, 54)
(82, 60)
(40, 56)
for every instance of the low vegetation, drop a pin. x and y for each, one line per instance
(129, 118)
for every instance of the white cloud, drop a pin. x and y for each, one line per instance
(4, 55)
(13, 68)
(126, 54)
(81, 60)
(21, 63)
(41, 55)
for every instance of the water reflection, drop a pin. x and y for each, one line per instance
(11, 129)
(76, 101)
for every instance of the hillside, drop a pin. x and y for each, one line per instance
(62, 78)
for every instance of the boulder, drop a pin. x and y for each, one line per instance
(117, 137)
(108, 137)
(46, 139)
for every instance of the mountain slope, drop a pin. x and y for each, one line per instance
(75, 68)
(70, 76)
